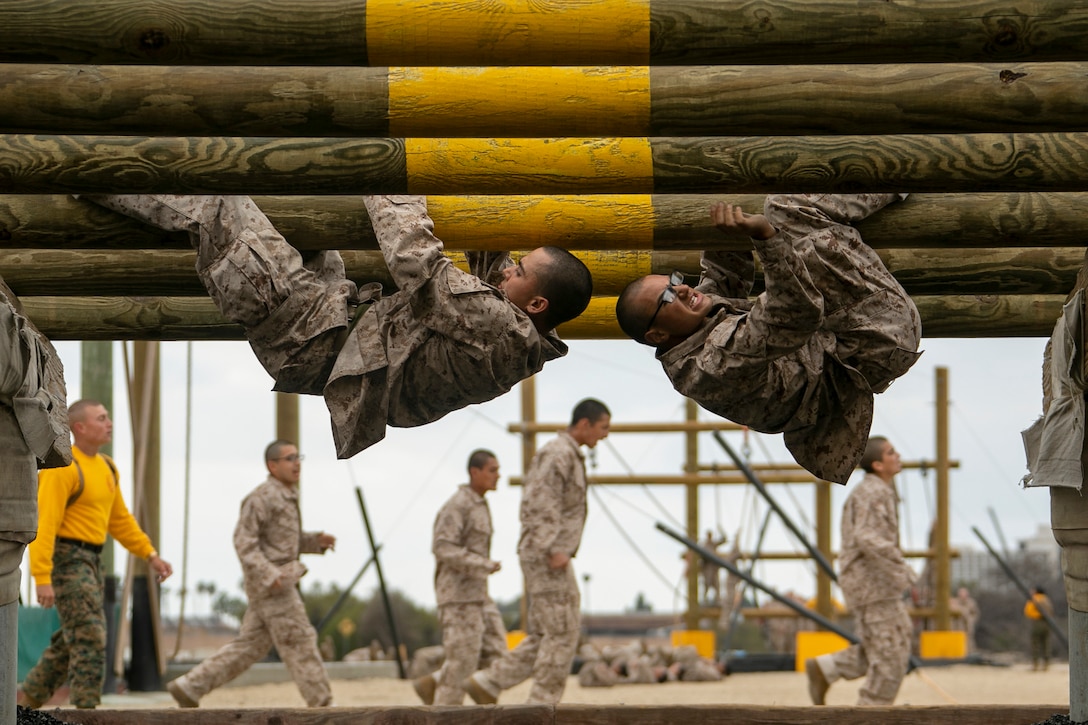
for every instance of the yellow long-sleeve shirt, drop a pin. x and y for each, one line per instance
(1038, 604)
(99, 510)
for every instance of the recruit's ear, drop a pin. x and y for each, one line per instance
(536, 305)
(655, 336)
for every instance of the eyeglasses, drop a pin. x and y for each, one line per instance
(293, 458)
(667, 295)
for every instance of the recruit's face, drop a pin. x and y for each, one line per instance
(890, 463)
(593, 433)
(521, 282)
(678, 318)
(286, 466)
(485, 478)
(95, 427)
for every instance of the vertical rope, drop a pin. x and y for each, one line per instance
(185, 520)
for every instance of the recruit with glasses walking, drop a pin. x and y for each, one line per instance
(805, 356)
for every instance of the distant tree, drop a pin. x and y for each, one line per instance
(209, 589)
(511, 613)
(416, 626)
(226, 605)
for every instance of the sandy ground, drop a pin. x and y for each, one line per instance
(956, 684)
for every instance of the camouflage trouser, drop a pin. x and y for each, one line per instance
(279, 620)
(875, 322)
(291, 309)
(473, 636)
(884, 629)
(77, 651)
(551, 637)
(1040, 642)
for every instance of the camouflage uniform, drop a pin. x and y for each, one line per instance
(445, 340)
(553, 514)
(873, 577)
(473, 634)
(33, 434)
(805, 357)
(597, 673)
(269, 539)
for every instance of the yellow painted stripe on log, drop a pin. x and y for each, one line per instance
(599, 317)
(556, 165)
(603, 221)
(565, 101)
(532, 32)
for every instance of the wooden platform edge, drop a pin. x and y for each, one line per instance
(577, 715)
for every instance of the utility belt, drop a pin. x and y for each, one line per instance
(96, 548)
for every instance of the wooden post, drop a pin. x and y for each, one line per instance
(691, 466)
(96, 383)
(943, 588)
(528, 450)
(287, 423)
(146, 385)
(823, 545)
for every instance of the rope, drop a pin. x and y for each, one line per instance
(185, 520)
(645, 489)
(645, 560)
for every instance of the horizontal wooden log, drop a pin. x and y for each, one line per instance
(754, 164)
(235, 165)
(621, 222)
(172, 273)
(524, 101)
(543, 32)
(195, 318)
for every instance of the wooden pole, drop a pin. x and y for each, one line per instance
(661, 32)
(823, 545)
(150, 272)
(942, 564)
(621, 222)
(691, 465)
(49, 164)
(506, 101)
(96, 383)
(287, 418)
(194, 318)
(528, 451)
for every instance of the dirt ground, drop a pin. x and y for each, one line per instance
(956, 684)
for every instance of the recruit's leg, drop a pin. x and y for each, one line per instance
(462, 635)
(77, 651)
(557, 618)
(885, 631)
(296, 641)
(232, 659)
(874, 320)
(11, 556)
(290, 309)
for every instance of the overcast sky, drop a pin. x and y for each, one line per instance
(994, 390)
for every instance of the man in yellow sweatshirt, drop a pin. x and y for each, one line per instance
(77, 507)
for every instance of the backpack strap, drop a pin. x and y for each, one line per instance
(82, 484)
